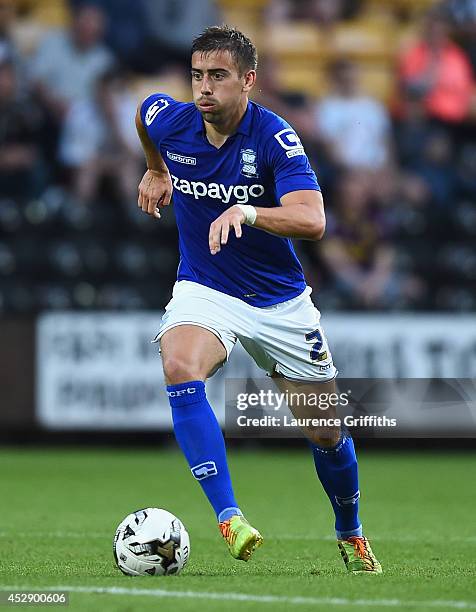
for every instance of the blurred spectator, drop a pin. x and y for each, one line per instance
(354, 128)
(439, 71)
(436, 168)
(462, 11)
(292, 106)
(99, 140)
(411, 130)
(126, 29)
(68, 62)
(466, 169)
(463, 16)
(325, 13)
(22, 172)
(8, 47)
(7, 15)
(358, 251)
(172, 27)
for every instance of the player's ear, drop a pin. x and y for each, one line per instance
(249, 80)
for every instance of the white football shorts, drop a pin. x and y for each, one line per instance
(285, 338)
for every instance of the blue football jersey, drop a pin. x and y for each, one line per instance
(260, 163)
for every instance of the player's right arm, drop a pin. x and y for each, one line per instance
(155, 188)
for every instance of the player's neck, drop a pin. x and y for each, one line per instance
(218, 133)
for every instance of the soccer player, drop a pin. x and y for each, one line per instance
(242, 188)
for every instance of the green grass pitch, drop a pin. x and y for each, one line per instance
(60, 509)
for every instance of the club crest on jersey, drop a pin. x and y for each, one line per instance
(154, 109)
(290, 142)
(248, 163)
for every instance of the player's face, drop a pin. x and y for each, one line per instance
(218, 88)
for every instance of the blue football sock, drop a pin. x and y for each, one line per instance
(337, 471)
(199, 436)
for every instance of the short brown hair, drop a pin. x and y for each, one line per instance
(224, 38)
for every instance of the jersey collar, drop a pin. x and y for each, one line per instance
(244, 126)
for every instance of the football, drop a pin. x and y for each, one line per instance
(151, 542)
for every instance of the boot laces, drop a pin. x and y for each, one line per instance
(227, 532)
(359, 546)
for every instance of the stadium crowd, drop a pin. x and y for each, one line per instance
(389, 123)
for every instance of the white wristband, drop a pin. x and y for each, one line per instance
(249, 212)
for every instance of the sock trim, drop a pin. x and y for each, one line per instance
(332, 450)
(344, 535)
(227, 513)
(186, 393)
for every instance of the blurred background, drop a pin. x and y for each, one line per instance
(383, 96)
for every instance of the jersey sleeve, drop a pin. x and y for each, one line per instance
(157, 113)
(288, 160)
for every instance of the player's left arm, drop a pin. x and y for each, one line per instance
(301, 215)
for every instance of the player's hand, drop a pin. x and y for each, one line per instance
(220, 228)
(155, 191)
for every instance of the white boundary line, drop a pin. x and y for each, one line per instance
(328, 601)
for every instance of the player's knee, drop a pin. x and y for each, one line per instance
(179, 369)
(324, 438)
